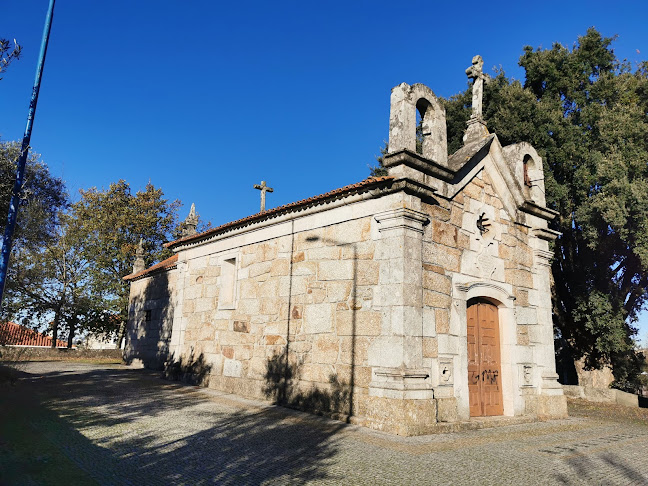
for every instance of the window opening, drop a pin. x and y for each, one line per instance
(527, 179)
(419, 130)
(228, 283)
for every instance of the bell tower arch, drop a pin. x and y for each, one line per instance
(406, 100)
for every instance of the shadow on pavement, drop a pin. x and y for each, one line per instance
(587, 470)
(128, 427)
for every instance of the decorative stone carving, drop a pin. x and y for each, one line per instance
(526, 374)
(483, 224)
(543, 257)
(484, 243)
(402, 218)
(191, 223)
(486, 263)
(401, 382)
(446, 372)
(484, 288)
(139, 264)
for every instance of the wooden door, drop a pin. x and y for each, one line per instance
(484, 366)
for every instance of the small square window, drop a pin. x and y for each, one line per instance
(148, 315)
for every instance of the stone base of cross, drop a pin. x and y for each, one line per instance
(476, 129)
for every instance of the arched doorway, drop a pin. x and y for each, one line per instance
(484, 362)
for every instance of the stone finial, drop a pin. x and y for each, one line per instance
(476, 125)
(191, 223)
(263, 188)
(139, 264)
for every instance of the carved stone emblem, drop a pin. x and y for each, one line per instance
(446, 375)
(526, 375)
(482, 224)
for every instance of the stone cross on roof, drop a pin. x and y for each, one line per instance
(263, 188)
(476, 124)
(475, 72)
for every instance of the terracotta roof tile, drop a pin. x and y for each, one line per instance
(167, 264)
(367, 184)
(12, 334)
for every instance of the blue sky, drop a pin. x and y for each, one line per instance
(207, 98)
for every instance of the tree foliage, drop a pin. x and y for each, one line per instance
(8, 54)
(113, 221)
(49, 286)
(68, 273)
(585, 111)
(43, 197)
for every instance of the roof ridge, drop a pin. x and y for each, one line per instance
(274, 211)
(166, 264)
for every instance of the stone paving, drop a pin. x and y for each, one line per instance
(129, 427)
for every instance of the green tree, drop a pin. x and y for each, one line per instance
(43, 197)
(8, 54)
(49, 286)
(585, 111)
(379, 170)
(113, 221)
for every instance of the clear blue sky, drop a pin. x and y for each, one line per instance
(207, 98)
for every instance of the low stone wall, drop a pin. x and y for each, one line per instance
(627, 399)
(19, 353)
(605, 395)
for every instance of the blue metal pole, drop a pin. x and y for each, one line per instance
(22, 160)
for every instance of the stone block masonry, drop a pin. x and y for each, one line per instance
(357, 303)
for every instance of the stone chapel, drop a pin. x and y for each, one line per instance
(399, 303)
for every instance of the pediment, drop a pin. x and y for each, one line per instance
(505, 168)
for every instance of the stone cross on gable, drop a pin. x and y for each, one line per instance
(475, 72)
(263, 188)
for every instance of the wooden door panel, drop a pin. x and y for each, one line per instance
(474, 379)
(484, 364)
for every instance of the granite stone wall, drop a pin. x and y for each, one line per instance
(302, 319)
(150, 319)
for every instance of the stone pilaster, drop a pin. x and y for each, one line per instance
(396, 356)
(542, 285)
(178, 329)
(400, 391)
(551, 402)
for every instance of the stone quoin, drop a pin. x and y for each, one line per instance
(399, 303)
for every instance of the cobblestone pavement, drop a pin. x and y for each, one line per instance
(129, 427)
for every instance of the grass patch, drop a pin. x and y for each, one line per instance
(27, 456)
(607, 411)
